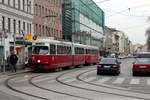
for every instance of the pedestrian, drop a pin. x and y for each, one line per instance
(13, 61)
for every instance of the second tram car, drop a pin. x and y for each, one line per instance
(53, 54)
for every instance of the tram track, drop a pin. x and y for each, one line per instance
(19, 91)
(58, 78)
(56, 91)
(8, 85)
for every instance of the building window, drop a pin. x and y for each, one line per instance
(9, 24)
(36, 27)
(3, 23)
(18, 4)
(27, 5)
(40, 10)
(30, 28)
(14, 26)
(8, 2)
(24, 26)
(43, 10)
(23, 2)
(14, 3)
(2, 1)
(35, 9)
(19, 29)
(43, 31)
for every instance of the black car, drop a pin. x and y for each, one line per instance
(108, 65)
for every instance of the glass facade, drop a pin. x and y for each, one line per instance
(83, 22)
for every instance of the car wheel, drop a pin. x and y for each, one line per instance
(134, 74)
(98, 73)
(117, 73)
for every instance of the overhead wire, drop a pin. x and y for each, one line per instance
(127, 9)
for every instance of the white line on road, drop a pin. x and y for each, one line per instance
(135, 81)
(148, 81)
(104, 79)
(42, 79)
(119, 81)
(90, 79)
(23, 80)
(70, 80)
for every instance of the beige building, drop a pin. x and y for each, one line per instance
(48, 18)
(139, 48)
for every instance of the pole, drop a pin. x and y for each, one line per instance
(14, 42)
(4, 69)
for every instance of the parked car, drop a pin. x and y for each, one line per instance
(108, 65)
(141, 65)
(142, 55)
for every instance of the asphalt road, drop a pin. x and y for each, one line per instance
(76, 84)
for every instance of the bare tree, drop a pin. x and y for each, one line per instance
(148, 35)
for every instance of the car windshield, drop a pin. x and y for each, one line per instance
(108, 61)
(143, 61)
(40, 50)
(143, 55)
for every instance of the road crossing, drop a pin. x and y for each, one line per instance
(119, 80)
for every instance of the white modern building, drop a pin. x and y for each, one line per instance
(15, 23)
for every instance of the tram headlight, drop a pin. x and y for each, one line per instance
(38, 61)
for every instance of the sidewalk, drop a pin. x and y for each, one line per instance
(19, 71)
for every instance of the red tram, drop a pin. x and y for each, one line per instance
(53, 54)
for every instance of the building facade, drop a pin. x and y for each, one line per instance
(121, 42)
(83, 22)
(48, 18)
(15, 23)
(108, 40)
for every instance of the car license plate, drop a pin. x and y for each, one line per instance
(143, 66)
(106, 66)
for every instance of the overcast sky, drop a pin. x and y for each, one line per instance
(129, 16)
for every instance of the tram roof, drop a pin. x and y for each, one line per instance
(64, 43)
(50, 41)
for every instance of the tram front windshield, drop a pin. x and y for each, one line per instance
(40, 50)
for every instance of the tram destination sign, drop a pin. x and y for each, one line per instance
(40, 44)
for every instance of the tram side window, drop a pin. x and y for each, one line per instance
(79, 50)
(88, 51)
(52, 49)
(63, 50)
(68, 50)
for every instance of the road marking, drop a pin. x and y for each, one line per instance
(148, 81)
(70, 80)
(104, 79)
(119, 81)
(90, 79)
(42, 79)
(135, 81)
